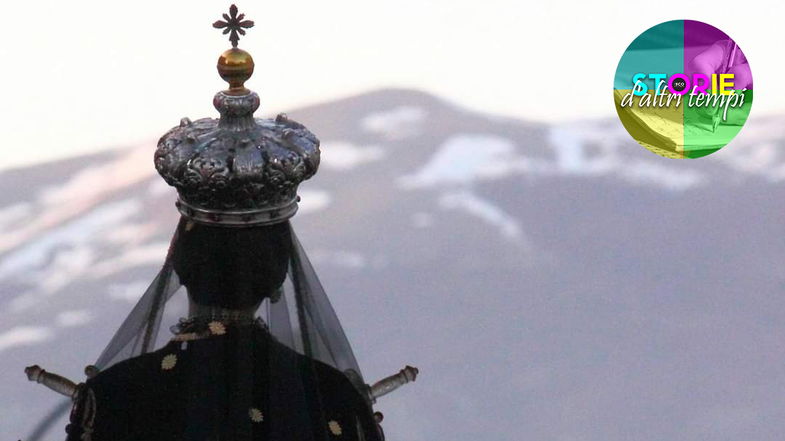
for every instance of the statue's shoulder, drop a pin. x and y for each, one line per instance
(137, 371)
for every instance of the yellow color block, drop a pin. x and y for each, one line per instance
(659, 129)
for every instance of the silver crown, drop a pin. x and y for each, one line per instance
(237, 170)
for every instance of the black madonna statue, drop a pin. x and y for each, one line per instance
(261, 355)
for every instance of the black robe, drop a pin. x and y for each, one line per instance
(238, 386)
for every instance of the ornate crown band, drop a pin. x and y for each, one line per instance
(244, 218)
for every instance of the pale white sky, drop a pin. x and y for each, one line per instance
(81, 75)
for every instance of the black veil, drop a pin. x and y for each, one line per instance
(294, 377)
(302, 318)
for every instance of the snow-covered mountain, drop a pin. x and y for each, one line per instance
(550, 282)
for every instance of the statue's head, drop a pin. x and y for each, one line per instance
(231, 268)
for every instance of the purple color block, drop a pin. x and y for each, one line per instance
(715, 48)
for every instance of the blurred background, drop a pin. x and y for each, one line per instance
(480, 211)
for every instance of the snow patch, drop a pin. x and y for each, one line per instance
(150, 254)
(62, 255)
(91, 186)
(571, 157)
(486, 211)
(463, 159)
(66, 266)
(468, 158)
(313, 200)
(23, 336)
(341, 155)
(79, 232)
(75, 317)
(396, 123)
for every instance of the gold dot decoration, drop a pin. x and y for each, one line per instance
(256, 415)
(335, 428)
(169, 362)
(217, 328)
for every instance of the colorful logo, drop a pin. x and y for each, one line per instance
(683, 89)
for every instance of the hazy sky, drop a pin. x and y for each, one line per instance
(83, 75)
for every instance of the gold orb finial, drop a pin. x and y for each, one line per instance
(235, 65)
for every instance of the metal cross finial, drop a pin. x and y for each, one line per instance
(234, 24)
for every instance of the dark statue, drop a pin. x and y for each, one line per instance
(261, 355)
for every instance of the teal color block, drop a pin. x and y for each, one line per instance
(660, 49)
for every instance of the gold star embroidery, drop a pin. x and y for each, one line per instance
(335, 428)
(169, 362)
(217, 328)
(256, 415)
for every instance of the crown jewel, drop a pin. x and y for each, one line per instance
(237, 170)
